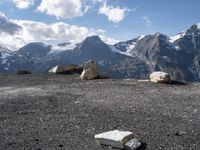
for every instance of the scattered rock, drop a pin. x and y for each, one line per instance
(90, 71)
(180, 133)
(115, 138)
(60, 145)
(37, 140)
(160, 77)
(132, 144)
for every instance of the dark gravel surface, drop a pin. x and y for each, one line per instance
(41, 112)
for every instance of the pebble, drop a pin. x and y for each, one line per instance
(180, 133)
(132, 144)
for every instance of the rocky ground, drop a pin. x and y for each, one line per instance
(43, 112)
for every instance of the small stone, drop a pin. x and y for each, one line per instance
(132, 144)
(180, 133)
(115, 138)
(60, 145)
(37, 140)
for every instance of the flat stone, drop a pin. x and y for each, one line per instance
(115, 138)
(132, 144)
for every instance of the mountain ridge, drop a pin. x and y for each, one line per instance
(135, 58)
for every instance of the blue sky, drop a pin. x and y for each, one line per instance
(138, 17)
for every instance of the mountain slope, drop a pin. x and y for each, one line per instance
(177, 55)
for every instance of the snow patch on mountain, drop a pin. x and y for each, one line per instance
(130, 47)
(176, 37)
(198, 25)
(141, 37)
(114, 49)
(4, 57)
(62, 47)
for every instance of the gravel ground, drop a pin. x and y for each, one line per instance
(43, 112)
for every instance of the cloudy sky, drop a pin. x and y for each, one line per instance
(54, 21)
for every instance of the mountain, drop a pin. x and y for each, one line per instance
(178, 55)
(136, 58)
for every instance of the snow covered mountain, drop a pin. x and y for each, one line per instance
(178, 55)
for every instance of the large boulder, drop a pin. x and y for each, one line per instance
(115, 138)
(160, 77)
(90, 71)
(71, 69)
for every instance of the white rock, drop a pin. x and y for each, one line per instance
(90, 71)
(115, 138)
(160, 77)
(56, 69)
(132, 144)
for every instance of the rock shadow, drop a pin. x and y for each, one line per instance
(174, 82)
(143, 146)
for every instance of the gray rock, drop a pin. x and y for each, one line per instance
(132, 144)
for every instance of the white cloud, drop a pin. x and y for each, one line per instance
(114, 14)
(62, 8)
(32, 31)
(147, 21)
(23, 4)
(98, 1)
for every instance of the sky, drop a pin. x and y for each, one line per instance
(57, 21)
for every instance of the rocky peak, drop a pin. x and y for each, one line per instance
(193, 30)
(35, 49)
(93, 39)
(190, 42)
